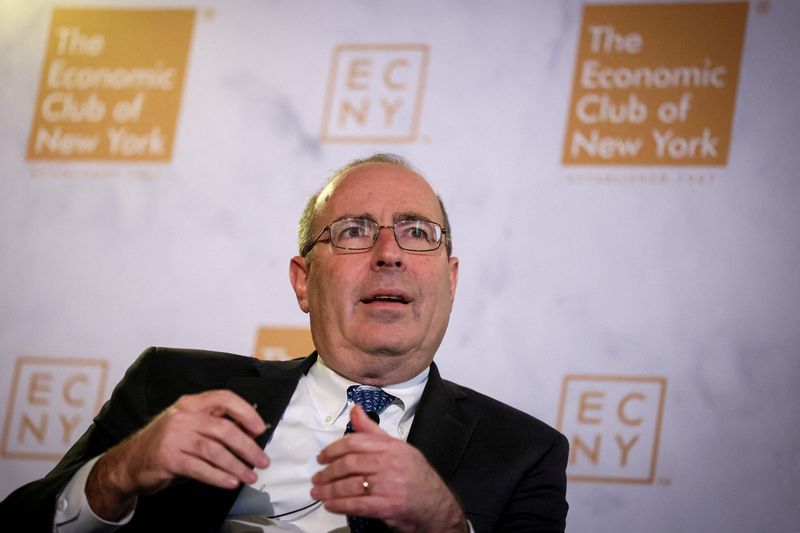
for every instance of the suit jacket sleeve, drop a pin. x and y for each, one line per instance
(538, 502)
(32, 506)
(512, 476)
(507, 468)
(154, 382)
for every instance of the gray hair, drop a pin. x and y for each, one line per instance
(305, 239)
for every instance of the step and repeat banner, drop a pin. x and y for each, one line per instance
(621, 178)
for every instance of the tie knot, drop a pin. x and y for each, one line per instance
(371, 399)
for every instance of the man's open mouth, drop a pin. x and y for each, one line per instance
(390, 298)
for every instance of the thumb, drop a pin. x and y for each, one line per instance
(362, 423)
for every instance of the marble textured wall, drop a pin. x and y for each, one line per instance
(571, 276)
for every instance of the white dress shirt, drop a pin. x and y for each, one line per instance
(317, 415)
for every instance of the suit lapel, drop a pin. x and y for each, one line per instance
(441, 429)
(270, 388)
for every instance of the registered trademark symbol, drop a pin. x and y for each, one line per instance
(665, 481)
(763, 6)
(209, 13)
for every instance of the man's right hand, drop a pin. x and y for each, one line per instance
(208, 437)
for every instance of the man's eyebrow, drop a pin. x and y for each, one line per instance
(409, 215)
(357, 215)
(398, 217)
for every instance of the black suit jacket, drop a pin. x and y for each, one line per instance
(506, 467)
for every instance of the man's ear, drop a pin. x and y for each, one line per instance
(453, 266)
(298, 277)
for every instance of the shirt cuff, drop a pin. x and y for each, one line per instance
(73, 513)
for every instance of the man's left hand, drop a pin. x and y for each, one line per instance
(370, 474)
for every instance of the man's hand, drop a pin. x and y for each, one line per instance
(208, 437)
(403, 489)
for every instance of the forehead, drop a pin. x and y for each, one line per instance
(382, 190)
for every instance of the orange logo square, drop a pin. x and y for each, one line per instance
(655, 84)
(375, 93)
(111, 84)
(278, 344)
(613, 424)
(52, 401)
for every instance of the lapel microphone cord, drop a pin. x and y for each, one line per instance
(375, 418)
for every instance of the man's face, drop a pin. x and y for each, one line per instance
(359, 333)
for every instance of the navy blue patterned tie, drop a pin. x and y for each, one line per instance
(372, 400)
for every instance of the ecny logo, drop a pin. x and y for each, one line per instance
(375, 93)
(613, 424)
(52, 401)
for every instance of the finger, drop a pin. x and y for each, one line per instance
(362, 441)
(198, 469)
(362, 423)
(232, 437)
(350, 487)
(346, 466)
(365, 506)
(354, 443)
(230, 404)
(218, 458)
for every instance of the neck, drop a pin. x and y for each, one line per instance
(379, 370)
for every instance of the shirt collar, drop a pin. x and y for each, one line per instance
(328, 391)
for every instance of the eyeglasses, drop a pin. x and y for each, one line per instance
(360, 234)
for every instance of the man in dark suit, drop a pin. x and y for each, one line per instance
(203, 441)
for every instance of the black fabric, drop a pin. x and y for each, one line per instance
(506, 467)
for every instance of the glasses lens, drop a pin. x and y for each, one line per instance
(353, 233)
(418, 235)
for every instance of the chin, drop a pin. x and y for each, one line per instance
(387, 350)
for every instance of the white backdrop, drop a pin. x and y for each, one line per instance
(695, 283)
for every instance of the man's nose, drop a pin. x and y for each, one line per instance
(386, 252)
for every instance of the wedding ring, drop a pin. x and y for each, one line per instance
(365, 484)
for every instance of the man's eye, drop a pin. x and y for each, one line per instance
(416, 230)
(417, 233)
(355, 231)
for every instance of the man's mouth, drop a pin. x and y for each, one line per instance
(388, 298)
